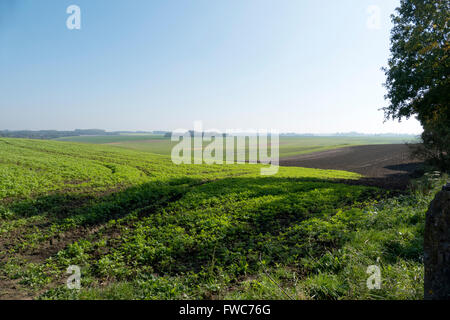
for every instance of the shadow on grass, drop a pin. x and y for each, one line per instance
(224, 226)
(88, 208)
(225, 223)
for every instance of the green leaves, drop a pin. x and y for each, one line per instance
(417, 77)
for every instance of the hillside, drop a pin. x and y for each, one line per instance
(142, 227)
(289, 145)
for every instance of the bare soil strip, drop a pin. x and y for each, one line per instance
(389, 166)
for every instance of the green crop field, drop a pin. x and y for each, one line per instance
(289, 145)
(140, 227)
(113, 138)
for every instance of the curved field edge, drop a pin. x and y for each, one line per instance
(29, 168)
(289, 145)
(142, 228)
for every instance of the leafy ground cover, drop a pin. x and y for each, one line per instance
(140, 227)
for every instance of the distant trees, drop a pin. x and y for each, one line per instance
(51, 134)
(54, 134)
(418, 74)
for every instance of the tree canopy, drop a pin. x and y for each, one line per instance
(418, 70)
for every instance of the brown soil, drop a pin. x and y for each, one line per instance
(390, 166)
(13, 290)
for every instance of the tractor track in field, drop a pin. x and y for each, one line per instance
(13, 289)
(389, 166)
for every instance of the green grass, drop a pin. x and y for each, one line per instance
(112, 138)
(289, 146)
(141, 227)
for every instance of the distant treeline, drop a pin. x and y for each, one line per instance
(52, 134)
(292, 134)
(348, 134)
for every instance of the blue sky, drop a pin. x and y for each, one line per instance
(291, 65)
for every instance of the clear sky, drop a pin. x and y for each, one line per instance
(291, 65)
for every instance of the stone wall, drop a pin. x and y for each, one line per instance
(437, 247)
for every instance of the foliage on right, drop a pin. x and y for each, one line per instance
(417, 74)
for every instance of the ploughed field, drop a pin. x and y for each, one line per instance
(140, 227)
(385, 165)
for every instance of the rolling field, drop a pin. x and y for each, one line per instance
(140, 227)
(289, 146)
(113, 139)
